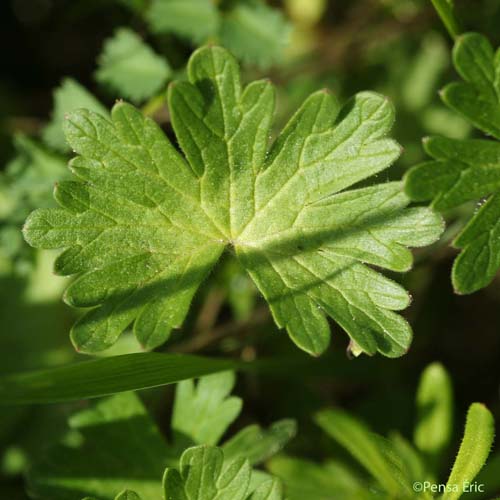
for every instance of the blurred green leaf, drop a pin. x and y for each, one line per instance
(304, 479)
(100, 377)
(28, 179)
(434, 400)
(254, 32)
(377, 455)
(422, 76)
(410, 457)
(257, 444)
(68, 97)
(193, 19)
(268, 490)
(478, 97)
(113, 444)
(127, 450)
(130, 67)
(240, 289)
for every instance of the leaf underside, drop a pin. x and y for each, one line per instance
(145, 224)
(468, 170)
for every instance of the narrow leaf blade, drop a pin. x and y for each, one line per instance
(474, 450)
(100, 377)
(371, 450)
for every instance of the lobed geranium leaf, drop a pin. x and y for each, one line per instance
(467, 170)
(204, 411)
(268, 490)
(26, 183)
(130, 67)
(202, 476)
(205, 474)
(254, 32)
(478, 98)
(145, 225)
(28, 179)
(193, 19)
(257, 444)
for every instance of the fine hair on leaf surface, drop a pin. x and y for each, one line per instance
(476, 446)
(144, 224)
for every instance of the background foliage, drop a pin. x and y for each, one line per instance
(59, 54)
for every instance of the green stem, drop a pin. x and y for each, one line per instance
(446, 12)
(154, 104)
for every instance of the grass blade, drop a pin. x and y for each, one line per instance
(101, 377)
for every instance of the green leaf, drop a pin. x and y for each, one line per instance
(28, 180)
(377, 455)
(203, 412)
(412, 460)
(478, 98)
(474, 450)
(26, 183)
(304, 479)
(203, 475)
(445, 9)
(193, 19)
(100, 377)
(463, 170)
(128, 495)
(70, 95)
(254, 32)
(466, 170)
(434, 426)
(145, 225)
(268, 490)
(113, 444)
(130, 67)
(127, 450)
(257, 444)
